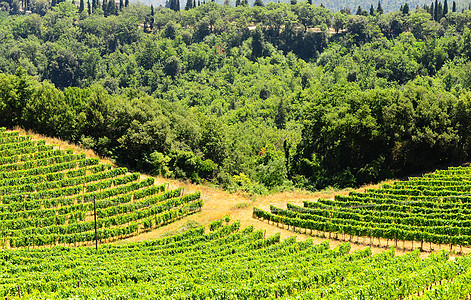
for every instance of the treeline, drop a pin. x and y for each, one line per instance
(253, 98)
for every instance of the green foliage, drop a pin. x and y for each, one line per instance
(197, 93)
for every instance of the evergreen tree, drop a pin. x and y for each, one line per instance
(379, 9)
(199, 3)
(322, 5)
(445, 8)
(189, 4)
(94, 4)
(152, 10)
(194, 3)
(73, 2)
(309, 1)
(280, 118)
(435, 12)
(105, 7)
(82, 6)
(439, 11)
(89, 7)
(293, 2)
(372, 10)
(245, 2)
(53, 3)
(126, 3)
(453, 8)
(359, 11)
(260, 3)
(121, 5)
(405, 9)
(432, 11)
(237, 3)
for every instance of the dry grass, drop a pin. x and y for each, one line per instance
(60, 144)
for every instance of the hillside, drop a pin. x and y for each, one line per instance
(51, 196)
(213, 256)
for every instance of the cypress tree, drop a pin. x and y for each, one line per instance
(445, 8)
(94, 4)
(372, 10)
(439, 11)
(105, 7)
(188, 5)
(432, 11)
(126, 3)
(359, 10)
(453, 8)
(152, 10)
(89, 7)
(309, 1)
(405, 9)
(53, 3)
(435, 13)
(194, 3)
(82, 6)
(379, 9)
(121, 4)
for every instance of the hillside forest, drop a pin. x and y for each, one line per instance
(252, 98)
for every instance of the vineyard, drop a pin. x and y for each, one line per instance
(229, 263)
(48, 199)
(48, 196)
(430, 210)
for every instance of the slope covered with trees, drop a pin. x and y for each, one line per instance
(253, 98)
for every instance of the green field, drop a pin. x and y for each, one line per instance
(429, 209)
(47, 197)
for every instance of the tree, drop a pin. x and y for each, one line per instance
(258, 3)
(258, 42)
(379, 9)
(405, 9)
(121, 5)
(445, 8)
(435, 12)
(309, 1)
(293, 2)
(280, 118)
(453, 8)
(89, 7)
(372, 10)
(82, 6)
(172, 66)
(126, 3)
(189, 4)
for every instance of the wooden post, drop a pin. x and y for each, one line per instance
(96, 231)
(19, 292)
(276, 294)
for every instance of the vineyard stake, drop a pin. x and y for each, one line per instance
(96, 233)
(19, 292)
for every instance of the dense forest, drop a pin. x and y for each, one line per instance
(257, 98)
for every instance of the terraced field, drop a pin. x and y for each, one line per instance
(432, 210)
(48, 197)
(228, 263)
